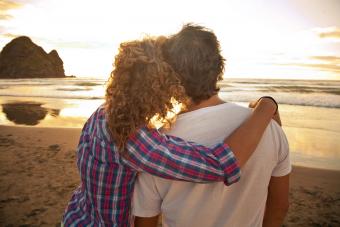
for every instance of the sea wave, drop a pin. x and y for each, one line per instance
(54, 96)
(315, 99)
(53, 81)
(292, 92)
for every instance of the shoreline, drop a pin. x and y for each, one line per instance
(300, 140)
(38, 174)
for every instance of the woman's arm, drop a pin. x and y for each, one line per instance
(173, 158)
(244, 140)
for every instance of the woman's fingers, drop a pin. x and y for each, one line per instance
(277, 118)
(253, 104)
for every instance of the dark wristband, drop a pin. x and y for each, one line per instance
(269, 97)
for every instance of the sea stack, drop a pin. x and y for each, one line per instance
(21, 58)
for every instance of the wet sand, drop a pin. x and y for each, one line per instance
(38, 174)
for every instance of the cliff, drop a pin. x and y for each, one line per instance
(21, 58)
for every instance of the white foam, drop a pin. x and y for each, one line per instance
(304, 99)
(293, 92)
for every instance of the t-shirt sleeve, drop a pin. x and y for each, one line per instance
(283, 166)
(146, 199)
(171, 157)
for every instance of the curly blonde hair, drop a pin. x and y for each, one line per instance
(142, 87)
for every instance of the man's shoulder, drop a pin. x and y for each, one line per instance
(225, 106)
(218, 112)
(276, 130)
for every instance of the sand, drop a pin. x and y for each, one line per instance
(38, 174)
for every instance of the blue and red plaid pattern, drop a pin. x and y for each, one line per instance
(107, 177)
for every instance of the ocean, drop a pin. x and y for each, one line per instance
(309, 109)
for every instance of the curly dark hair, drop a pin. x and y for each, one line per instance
(194, 53)
(142, 86)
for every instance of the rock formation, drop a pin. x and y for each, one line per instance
(21, 58)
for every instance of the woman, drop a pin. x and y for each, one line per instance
(119, 139)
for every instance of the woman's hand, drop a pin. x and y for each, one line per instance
(267, 102)
(277, 118)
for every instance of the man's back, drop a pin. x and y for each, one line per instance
(189, 204)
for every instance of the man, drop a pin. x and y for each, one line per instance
(261, 196)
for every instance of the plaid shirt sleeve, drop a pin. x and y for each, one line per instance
(170, 157)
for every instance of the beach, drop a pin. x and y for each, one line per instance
(41, 119)
(61, 60)
(38, 174)
(309, 109)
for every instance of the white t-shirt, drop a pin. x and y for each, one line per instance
(185, 204)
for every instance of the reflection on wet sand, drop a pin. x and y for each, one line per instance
(46, 112)
(27, 113)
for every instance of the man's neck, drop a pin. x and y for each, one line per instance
(212, 101)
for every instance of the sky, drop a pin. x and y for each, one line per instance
(285, 39)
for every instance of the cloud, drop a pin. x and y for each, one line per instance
(58, 43)
(323, 67)
(5, 17)
(7, 5)
(2, 29)
(329, 59)
(331, 32)
(10, 35)
(74, 44)
(330, 63)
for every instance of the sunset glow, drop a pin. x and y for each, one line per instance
(260, 39)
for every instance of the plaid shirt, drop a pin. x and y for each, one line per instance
(107, 178)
